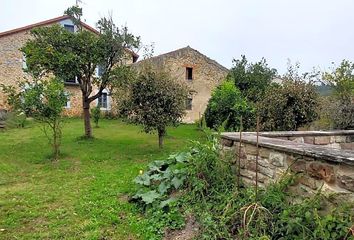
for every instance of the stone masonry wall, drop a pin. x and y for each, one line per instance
(11, 61)
(207, 74)
(11, 72)
(313, 171)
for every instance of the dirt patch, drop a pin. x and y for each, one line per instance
(189, 232)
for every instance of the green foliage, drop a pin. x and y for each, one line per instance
(342, 79)
(67, 55)
(228, 103)
(227, 211)
(227, 106)
(96, 115)
(161, 178)
(16, 119)
(252, 79)
(84, 195)
(288, 106)
(341, 104)
(44, 101)
(156, 101)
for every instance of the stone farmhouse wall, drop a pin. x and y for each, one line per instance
(321, 165)
(207, 74)
(12, 63)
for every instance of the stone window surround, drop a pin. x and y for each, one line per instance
(189, 73)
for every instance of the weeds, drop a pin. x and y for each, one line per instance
(208, 188)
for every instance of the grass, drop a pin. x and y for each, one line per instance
(84, 194)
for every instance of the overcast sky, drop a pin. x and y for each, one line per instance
(313, 32)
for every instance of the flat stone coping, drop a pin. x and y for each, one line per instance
(304, 133)
(304, 149)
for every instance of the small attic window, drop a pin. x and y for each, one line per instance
(189, 73)
(70, 28)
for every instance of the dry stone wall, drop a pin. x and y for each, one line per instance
(317, 166)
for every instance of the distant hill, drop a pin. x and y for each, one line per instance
(324, 90)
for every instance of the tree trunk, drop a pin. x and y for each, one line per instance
(161, 132)
(87, 121)
(56, 138)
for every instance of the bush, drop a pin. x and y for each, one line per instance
(44, 101)
(342, 113)
(16, 120)
(202, 181)
(226, 107)
(289, 106)
(96, 115)
(252, 79)
(342, 100)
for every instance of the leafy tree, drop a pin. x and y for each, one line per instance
(342, 101)
(67, 55)
(44, 101)
(291, 105)
(156, 101)
(226, 106)
(251, 78)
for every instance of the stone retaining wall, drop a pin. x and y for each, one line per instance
(318, 165)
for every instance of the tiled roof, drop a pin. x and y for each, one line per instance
(51, 21)
(43, 23)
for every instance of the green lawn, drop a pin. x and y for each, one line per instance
(84, 194)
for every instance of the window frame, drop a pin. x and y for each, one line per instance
(189, 73)
(71, 26)
(68, 102)
(108, 106)
(189, 104)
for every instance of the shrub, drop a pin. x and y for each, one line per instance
(44, 101)
(252, 79)
(342, 113)
(342, 106)
(289, 106)
(203, 182)
(227, 106)
(96, 115)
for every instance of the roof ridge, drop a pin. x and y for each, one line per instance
(181, 49)
(43, 23)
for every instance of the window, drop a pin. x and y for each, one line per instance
(70, 28)
(67, 104)
(189, 104)
(70, 80)
(189, 73)
(103, 101)
(100, 71)
(24, 63)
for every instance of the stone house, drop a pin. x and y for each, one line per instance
(201, 74)
(12, 63)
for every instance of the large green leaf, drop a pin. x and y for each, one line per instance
(183, 157)
(150, 197)
(177, 182)
(143, 180)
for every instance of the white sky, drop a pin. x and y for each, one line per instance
(313, 32)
